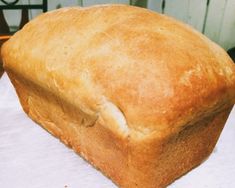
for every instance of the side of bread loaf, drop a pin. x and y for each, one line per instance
(139, 95)
(2, 40)
(150, 162)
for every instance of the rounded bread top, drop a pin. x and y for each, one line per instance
(151, 72)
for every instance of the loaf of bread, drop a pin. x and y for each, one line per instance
(139, 95)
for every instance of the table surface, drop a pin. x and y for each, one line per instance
(31, 158)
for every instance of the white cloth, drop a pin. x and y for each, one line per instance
(31, 158)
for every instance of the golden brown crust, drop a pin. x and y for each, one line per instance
(144, 86)
(137, 59)
(151, 162)
(2, 40)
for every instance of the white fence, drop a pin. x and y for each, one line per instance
(214, 18)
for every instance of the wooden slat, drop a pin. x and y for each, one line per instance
(94, 2)
(177, 9)
(61, 3)
(188, 11)
(139, 3)
(155, 5)
(227, 34)
(80, 2)
(196, 13)
(215, 18)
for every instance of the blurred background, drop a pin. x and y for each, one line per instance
(214, 18)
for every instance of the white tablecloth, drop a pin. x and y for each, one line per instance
(31, 158)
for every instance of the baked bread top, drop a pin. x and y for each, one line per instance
(134, 70)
